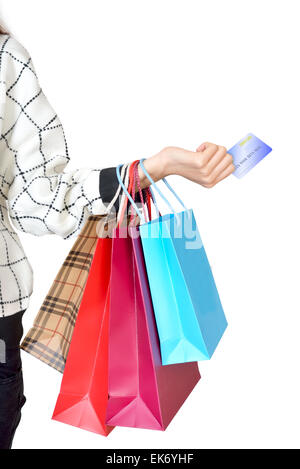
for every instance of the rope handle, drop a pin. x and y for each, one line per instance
(137, 179)
(125, 180)
(159, 191)
(139, 213)
(134, 180)
(148, 194)
(124, 206)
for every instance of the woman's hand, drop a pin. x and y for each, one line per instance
(207, 166)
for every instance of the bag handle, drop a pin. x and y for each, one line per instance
(140, 214)
(159, 191)
(125, 178)
(123, 208)
(133, 181)
(148, 194)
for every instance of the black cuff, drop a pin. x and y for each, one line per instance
(109, 184)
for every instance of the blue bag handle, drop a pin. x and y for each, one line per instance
(131, 199)
(155, 203)
(159, 191)
(139, 213)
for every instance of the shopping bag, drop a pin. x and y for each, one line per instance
(142, 392)
(189, 315)
(83, 396)
(50, 337)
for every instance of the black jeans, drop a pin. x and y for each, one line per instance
(11, 380)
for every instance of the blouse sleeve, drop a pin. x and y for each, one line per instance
(43, 198)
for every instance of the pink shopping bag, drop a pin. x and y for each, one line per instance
(142, 392)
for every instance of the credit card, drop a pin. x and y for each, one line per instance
(247, 153)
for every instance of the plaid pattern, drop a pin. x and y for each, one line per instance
(50, 337)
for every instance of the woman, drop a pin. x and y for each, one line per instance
(38, 197)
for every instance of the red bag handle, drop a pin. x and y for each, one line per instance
(134, 179)
(131, 168)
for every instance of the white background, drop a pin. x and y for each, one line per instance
(128, 78)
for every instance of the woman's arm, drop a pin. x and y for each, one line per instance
(207, 166)
(42, 197)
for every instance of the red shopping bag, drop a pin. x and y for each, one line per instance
(142, 392)
(83, 396)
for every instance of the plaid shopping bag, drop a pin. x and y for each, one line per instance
(50, 337)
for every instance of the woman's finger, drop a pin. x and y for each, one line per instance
(223, 170)
(208, 153)
(218, 157)
(222, 165)
(201, 147)
(227, 171)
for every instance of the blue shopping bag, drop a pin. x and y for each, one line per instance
(188, 312)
